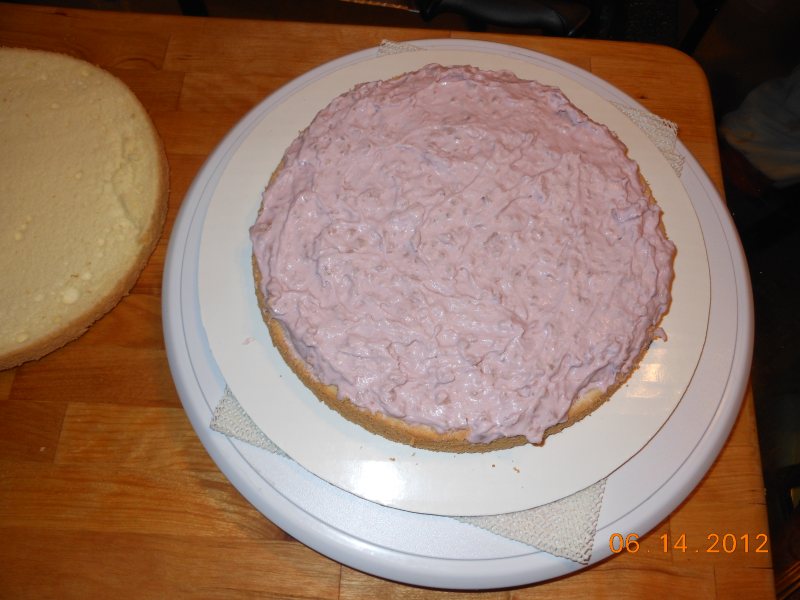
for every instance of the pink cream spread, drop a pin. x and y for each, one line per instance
(463, 249)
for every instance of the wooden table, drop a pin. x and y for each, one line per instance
(105, 490)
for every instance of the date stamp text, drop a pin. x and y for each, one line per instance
(714, 543)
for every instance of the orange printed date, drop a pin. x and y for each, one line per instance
(715, 543)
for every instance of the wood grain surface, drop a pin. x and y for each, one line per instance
(106, 491)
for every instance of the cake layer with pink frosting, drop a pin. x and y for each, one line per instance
(463, 249)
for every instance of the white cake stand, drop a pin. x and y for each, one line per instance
(438, 551)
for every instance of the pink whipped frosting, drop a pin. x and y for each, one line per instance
(462, 249)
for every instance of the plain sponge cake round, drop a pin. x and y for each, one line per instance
(83, 197)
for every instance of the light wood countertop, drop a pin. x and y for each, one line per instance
(106, 491)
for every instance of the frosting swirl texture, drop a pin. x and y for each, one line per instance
(462, 249)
